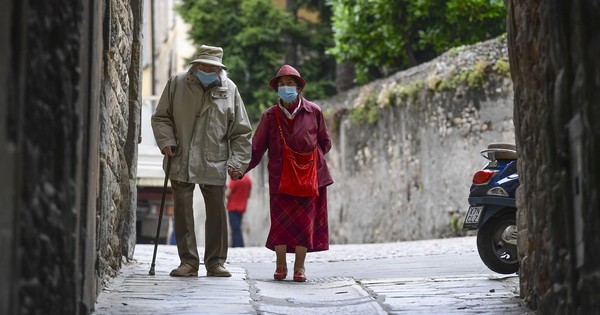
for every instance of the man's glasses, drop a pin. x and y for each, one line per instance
(207, 68)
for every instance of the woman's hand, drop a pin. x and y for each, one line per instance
(169, 150)
(234, 173)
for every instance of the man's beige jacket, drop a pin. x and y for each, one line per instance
(210, 129)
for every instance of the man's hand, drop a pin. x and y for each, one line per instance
(169, 150)
(234, 173)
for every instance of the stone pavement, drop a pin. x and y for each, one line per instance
(420, 277)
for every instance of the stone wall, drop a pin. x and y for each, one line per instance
(554, 49)
(405, 148)
(70, 81)
(44, 136)
(44, 184)
(120, 110)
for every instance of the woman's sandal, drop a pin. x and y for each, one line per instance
(280, 273)
(299, 276)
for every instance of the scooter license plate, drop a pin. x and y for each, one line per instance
(473, 214)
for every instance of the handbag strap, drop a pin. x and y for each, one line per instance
(279, 125)
(281, 132)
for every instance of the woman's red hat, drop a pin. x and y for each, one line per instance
(287, 70)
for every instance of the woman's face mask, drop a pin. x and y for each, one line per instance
(287, 93)
(206, 77)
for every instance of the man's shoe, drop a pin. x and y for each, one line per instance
(184, 270)
(218, 271)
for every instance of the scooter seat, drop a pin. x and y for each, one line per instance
(501, 151)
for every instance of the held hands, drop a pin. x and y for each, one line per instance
(169, 151)
(234, 173)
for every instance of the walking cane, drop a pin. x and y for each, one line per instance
(162, 208)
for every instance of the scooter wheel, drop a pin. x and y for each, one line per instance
(496, 254)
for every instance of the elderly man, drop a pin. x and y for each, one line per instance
(202, 128)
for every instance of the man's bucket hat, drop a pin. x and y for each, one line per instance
(287, 70)
(210, 55)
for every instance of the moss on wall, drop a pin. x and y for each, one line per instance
(477, 73)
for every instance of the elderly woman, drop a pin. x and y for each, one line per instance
(298, 194)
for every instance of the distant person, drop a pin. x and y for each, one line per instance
(294, 128)
(201, 124)
(237, 194)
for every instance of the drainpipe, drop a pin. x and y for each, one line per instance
(152, 48)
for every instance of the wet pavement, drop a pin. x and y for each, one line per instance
(442, 276)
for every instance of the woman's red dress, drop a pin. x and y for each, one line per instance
(299, 221)
(295, 221)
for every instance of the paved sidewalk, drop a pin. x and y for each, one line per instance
(420, 277)
(134, 291)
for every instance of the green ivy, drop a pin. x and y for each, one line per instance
(503, 67)
(410, 91)
(366, 112)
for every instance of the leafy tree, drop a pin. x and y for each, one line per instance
(381, 36)
(257, 38)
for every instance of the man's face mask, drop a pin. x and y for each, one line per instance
(206, 77)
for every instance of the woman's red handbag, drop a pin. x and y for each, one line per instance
(298, 169)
